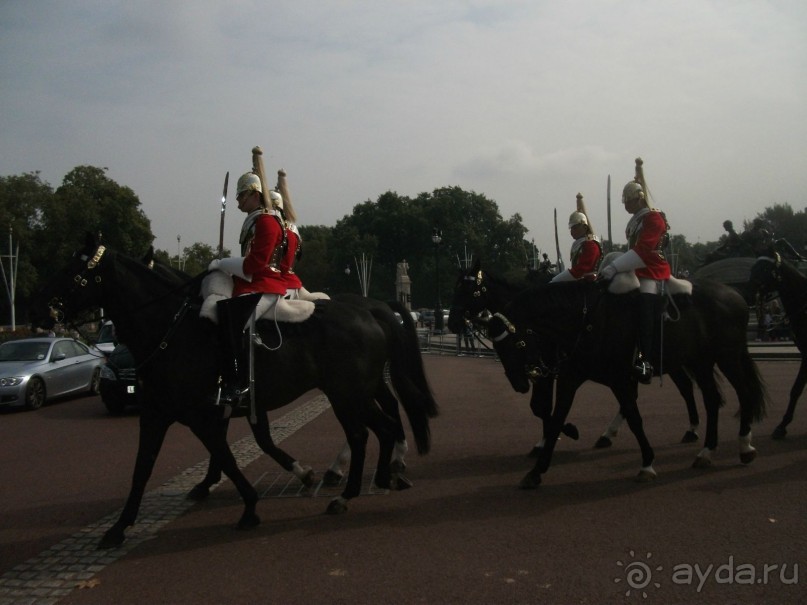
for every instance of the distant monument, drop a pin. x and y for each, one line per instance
(403, 285)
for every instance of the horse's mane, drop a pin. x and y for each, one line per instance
(558, 310)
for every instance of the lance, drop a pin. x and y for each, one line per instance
(223, 209)
(610, 241)
(557, 243)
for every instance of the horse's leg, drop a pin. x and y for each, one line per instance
(389, 404)
(261, 430)
(356, 434)
(743, 375)
(541, 406)
(208, 429)
(610, 432)
(684, 383)
(712, 401)
(333, 476)
(795, 392)
(153, 428)
(201, 490)
(627, 393)
(564, 396)
(385, 430)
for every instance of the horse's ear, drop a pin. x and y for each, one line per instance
(90, 241)
(477, 265)
(148, 257)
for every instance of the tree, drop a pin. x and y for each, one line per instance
(22, 198)
(787, 224)
(88, 200)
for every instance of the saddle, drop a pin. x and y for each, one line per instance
(217, 286)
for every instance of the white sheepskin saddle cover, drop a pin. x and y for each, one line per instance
(626, 281)
(218, 286)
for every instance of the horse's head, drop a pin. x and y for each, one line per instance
(470, 297)
(75, 288)
(766, 276)
(519, 351)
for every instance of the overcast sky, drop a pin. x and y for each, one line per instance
(527, 102)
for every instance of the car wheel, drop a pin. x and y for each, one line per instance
(95, 382)
(35, 394)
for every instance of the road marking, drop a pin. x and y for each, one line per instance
(57, 571)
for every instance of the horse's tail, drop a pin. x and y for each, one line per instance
(409, 380)
(414, 360)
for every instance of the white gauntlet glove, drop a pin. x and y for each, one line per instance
(231, 266)
(608, 273)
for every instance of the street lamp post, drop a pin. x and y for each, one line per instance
(437, 237)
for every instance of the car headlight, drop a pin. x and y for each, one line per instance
(11, 381)
(107, 373)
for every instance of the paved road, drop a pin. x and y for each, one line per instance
(463, 534)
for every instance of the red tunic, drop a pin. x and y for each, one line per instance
(287, 262)
(647, 238)
(267, 236)
(585, 258)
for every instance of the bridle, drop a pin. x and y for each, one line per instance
(88, 273)
(534, 369)
(80, 280)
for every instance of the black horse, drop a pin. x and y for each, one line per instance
(477, 291)
(577, 331)
(772, 274)
(404, 360)
(340, 349)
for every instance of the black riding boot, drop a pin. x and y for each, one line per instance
(233, 314)
(648, 310)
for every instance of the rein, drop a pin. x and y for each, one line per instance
(541, 369)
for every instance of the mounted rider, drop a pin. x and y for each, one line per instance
(586, 250)
(258, 285)
(647, 235)
(294, 243)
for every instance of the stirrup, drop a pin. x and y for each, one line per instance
(231, 396)
(643, 371)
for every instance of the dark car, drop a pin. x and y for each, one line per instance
(119, 387)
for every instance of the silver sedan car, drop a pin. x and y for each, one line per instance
(36, 370)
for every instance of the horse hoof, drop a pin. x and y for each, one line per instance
(199, 492)
(530, 481)
(248, 521)
(112, 539)
(397, 466)
(690, 437)
(400, 483)
(779, 432)
(603, 442)
(702, 462)
(309, 479)
(336, 507)
(646, 476)
(535, 452)
(331, 478)
(570, 431)
(748, 457)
